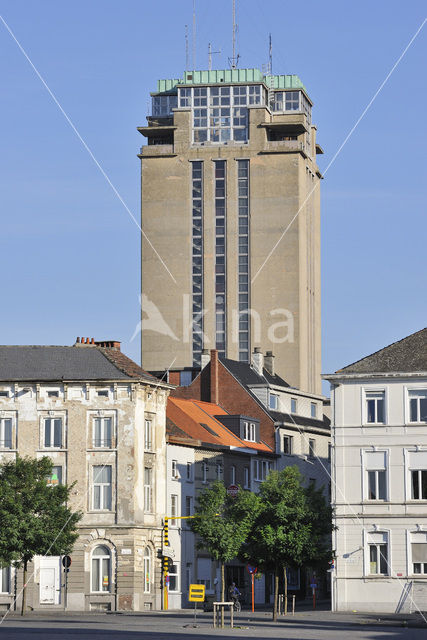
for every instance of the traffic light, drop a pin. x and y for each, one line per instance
(166, 532)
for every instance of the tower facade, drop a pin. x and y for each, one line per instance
(231, 223)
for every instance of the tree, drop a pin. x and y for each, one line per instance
(223, 523)
(291, 528)
(34, 517)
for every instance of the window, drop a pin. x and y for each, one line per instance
(102, 488)
(378, 554)
(189, 471)
(188, 506)
(375, 402)
(102, 393)
(4, 393)
(173, 577)
(243, 258)
(175, 472)
(148, 490)
(293, 405)
(102, 433)
(418, 405)
(311, 447)
(376, 468)
(185, 378)
(148, 435)
(204, 572)
(220, 205)
(262, 469)
(53, 432)
(147, 570)
(287, 444)
(204, 472)
(419, 552)
(419, 484)
(53, 394)
(246, 475)
(329, 451)
(274, 401)
(6, 433)
(219, 471)
(233, 474)
(197, 266)
(174, 510)
(55, 477)
(313, 409)
(249, 431)
(5, 580)
(101, 569)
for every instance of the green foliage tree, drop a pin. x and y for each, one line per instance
(34, 517)
(292, 528)
(223, 523)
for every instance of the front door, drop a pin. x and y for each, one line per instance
(50, 574)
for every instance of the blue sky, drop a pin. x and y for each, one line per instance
(69, 252)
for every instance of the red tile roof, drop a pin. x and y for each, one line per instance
(196, 419)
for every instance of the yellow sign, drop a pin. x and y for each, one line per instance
(197, 593)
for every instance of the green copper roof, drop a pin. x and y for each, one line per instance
(230, 76)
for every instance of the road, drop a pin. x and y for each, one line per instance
(179, 625)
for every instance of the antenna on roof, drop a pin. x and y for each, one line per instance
(186, 48)
(270, 56)
(235, 59)
(210, 54)
(194, 34)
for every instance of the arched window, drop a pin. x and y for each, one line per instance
(147, 570)
(101, 569)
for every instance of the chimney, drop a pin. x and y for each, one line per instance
(258, 361)
(205, 358)
(108, 344)
(269, 362)
(214, 376)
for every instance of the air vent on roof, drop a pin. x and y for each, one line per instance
(209, 429)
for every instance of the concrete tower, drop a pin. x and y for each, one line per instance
(231, 223)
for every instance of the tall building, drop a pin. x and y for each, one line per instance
(231, 222)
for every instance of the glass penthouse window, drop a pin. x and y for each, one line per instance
(163, 105)
(197, 260)
(220, 252)
(243, 255)
(220, 113)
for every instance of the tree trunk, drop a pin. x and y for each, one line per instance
(285, 595)
(24, 590)
(276, 594)
(222, 593)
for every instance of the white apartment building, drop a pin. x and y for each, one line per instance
(379, 472)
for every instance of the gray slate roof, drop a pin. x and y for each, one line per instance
(406, 356)
(246, 375)
(56, 363)
(300, 421)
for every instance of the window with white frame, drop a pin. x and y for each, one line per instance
(419, 484)
(293, 405)
(233, 474)
(102, 488)
(246, 478)
(273, 401)
(189, 471)
(147, 570)
(174, 510)
(6, 433)
(416, 474)
(249, 431)
(204, 472)
(287, 444)
(173, 577)
(378, 553)
(419, 552)
(375, 407)
(313, 409)
(148, 435)
(218, 471)
(5, 580)
(417, 405)
(174, 470)
(55, 477)
(148, 490)
(102, 433)
(376, 475)
(53, 433)
(101, 570)
(311, 447)
(261, 469)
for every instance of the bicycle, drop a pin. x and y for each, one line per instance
(236, 604)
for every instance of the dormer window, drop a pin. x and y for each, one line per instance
(274, 401)
(249, 432)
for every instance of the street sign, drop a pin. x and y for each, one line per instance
(66, 562)
(197, 593)
(251, 569)
(233, 490)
